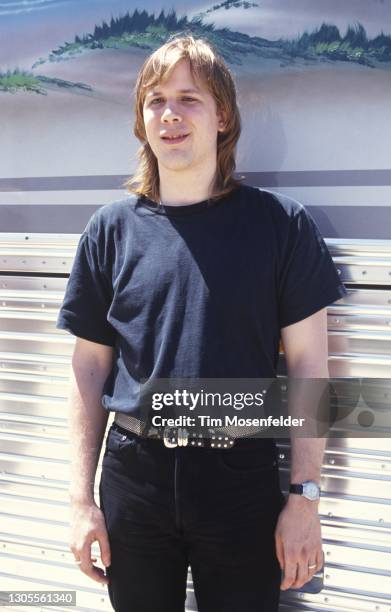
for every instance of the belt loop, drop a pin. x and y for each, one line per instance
(183, 436)
(170, 442)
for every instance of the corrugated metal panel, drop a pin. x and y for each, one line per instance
(34, 370)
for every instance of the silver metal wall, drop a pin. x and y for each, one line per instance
(34, 370)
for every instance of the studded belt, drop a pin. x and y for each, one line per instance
(175, 436)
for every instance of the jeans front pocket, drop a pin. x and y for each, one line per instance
(248, 461)
(119, 444)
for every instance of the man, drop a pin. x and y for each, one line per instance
(193, 275)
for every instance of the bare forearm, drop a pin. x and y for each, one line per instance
(307, 458)
(87, 424)
(308, 390)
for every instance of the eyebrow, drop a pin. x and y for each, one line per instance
(158, 93)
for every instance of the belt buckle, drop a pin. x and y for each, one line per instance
(179, 436)
(175, 436)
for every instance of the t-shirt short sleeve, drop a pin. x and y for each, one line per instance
(87, 296)
(308, 279)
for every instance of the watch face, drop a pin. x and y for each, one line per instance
(310, 490)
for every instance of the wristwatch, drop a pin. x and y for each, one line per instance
(308, 489)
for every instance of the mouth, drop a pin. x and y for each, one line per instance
(175, 140)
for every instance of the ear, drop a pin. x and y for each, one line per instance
(222, 120)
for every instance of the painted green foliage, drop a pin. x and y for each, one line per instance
(16, 80)
(147, 31)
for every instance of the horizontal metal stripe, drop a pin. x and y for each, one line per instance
(63, 183)
(354, 446)
(370, 221)
(362, 365)
(31, 425)
(27, 342)
(330, 600)
(31, 304)
(36, 263)
(24, 466)
(380, 337)
(33, 446)
(52, 390)
(31, 286)
(350, 535)
(53, 336)
(361, 320)
(360, 557)
(348, 460)
(43, 489)
(12, 523)
(357, 247)
(374, 312)
(45, 492)
(54, 402)
(284, 178)
(34, 364)
(318, 178)
(31, 405)
(358, 368)
(363, 296)
(358, 582)
(38, 218)
(38, 240)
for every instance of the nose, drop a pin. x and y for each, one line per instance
(170, 113)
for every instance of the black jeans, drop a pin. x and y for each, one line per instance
(215, 510)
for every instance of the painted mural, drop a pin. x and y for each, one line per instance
(313, 78)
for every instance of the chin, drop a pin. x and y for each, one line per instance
(174, 164)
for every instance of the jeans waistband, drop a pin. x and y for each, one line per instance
(129, 425)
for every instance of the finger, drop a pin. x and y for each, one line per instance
(104, 546)
(95, 573)
(302, 575)
(289, 575)
(86, 566)
(280, 552)
(319, 560)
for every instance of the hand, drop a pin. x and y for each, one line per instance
(87, 525)
(298, 541)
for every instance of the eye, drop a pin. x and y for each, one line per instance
(187, 98)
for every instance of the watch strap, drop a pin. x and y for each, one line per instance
(296, 488)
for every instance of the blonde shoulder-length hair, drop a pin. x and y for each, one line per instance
(208, 67)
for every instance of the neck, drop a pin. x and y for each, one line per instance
(181, 187)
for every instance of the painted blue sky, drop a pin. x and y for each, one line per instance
(31, 28)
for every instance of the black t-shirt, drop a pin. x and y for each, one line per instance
(195, 291)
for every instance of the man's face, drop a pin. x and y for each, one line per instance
(169, 111)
